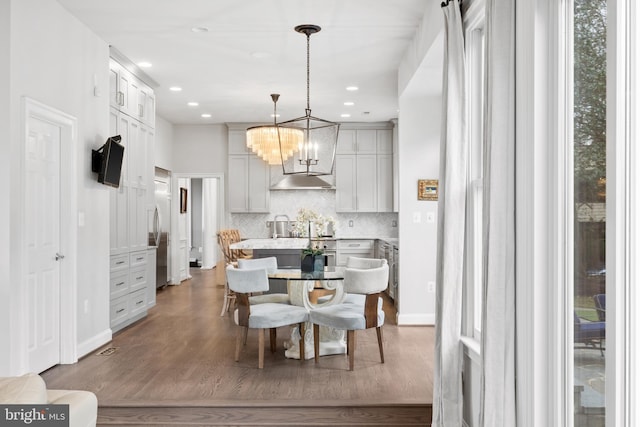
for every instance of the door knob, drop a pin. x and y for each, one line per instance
(59, 256)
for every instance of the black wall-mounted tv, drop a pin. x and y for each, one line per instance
(107, 161)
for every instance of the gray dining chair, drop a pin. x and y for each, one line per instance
(263, 316)
(364, 281)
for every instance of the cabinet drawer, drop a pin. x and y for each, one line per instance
(355, 245)
(119, 310)
(137, 302)
(118, 284)
(119, 262)
(138, 258)
(138, 279)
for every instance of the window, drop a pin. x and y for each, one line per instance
(475, 59)
(589, 53)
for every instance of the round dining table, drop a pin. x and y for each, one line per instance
(301, 287)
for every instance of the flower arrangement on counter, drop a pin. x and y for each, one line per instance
(320, 222)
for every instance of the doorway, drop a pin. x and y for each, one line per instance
(198, 218)
(49, 250)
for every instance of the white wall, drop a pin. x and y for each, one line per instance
(199, 149)
(419, 146)
(54, 59)
(163, 144)
(5, 163)
(420, 88)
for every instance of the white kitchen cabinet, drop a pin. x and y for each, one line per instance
(130, 95)
(151, 277)
(357, 141)
(132, 116)
(238, 142)
(128, 288)
(248, 184)
(346, 141)
(356, 248)
(249, 177)
(364, 170)
(384, 182)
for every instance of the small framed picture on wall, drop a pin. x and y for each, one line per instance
(183, 200)
(427, 189)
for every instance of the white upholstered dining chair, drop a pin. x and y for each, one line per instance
(271, 265)
(364, 281)
(267, 315)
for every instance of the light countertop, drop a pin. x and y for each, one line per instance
(280, 243)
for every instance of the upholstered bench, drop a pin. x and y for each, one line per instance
(31, 389)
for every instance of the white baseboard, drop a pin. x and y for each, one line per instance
(94, 342)
(416, 319)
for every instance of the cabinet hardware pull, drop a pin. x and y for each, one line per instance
(120, 311)
(119, 262)
(119, 284)
(141, 277)
(139, 302)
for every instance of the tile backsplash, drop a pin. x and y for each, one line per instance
(321, 201)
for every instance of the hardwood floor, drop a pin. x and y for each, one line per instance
(176, 367)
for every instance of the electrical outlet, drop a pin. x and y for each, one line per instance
(431, 217)
(394, 223)
(431, 287)
(350, 223)
(417, 218)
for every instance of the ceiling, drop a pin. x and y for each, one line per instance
(251, 51)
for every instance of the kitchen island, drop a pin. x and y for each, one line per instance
(288, 251)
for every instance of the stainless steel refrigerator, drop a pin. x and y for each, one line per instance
(159, 227)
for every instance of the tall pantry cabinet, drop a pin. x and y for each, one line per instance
(132, 273)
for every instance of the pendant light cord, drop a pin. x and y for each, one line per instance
(308, 110)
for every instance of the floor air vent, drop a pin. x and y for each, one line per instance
(107, 351)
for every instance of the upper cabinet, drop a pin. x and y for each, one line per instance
(364, 169)
(249, 176)
(130, 95)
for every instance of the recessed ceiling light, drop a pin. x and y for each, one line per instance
(352, 88)
(144, 64)
(349, 103)
(175, 89)
(199, 29)
(192, 104)
(205, 115)
(345, 115)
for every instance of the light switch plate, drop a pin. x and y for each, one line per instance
(431, 217)
(417, 217)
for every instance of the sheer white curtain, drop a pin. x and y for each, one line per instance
(447, 402)
(209, 222)
(498, 388)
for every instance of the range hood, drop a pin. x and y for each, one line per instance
(302, 182)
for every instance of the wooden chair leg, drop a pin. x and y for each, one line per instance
(302, 353)
(272, 339)
(316, 342)
(244, 336)
(379, 332)
(225, 302)
(260, 348)
(351, 344)
(240, 332)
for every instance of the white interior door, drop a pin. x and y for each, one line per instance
(42, 242)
